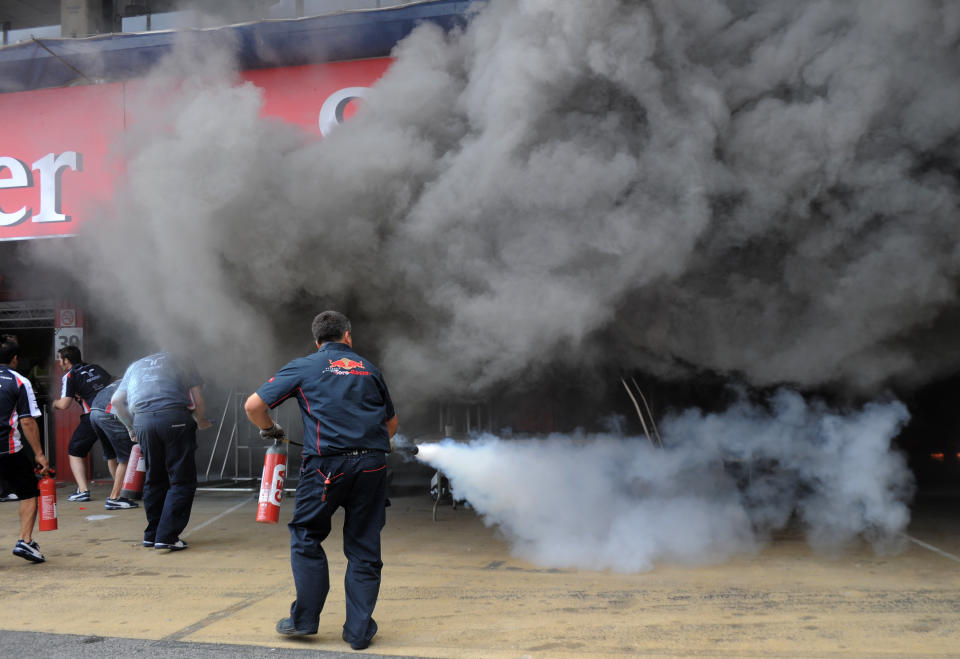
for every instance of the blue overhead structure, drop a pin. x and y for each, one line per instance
(347, 35)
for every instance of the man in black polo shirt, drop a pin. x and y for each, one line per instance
(348, 420)
(18, 404)
(82, 382)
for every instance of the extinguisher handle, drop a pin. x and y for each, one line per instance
(49, 471)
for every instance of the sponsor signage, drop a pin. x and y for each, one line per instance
(56, 145)
(54, 157)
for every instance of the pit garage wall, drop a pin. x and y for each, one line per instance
(57, 162)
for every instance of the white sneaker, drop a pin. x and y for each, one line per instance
(120, 503)
(29, 551)
(172, 546)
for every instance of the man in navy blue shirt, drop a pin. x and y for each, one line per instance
(159, 399)
(82, 382)
(18, 404)
(348, 420)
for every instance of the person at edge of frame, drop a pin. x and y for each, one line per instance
(19, 405)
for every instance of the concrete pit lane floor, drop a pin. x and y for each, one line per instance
(452, 589)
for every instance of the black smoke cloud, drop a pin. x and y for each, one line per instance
(764, 189)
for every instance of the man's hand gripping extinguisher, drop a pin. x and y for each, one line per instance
(47, 516)
(274, 471)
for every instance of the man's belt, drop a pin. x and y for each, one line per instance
(354, 451)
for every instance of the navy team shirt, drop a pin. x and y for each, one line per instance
(343, 399)
(16, 400)
(82, 382)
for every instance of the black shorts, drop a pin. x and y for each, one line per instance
(111, 431)
(83, 439)
(16, 470)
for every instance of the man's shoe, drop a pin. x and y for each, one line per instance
(172, 546)
(10, 496)
(79, 496)
(149, 543)
(285, 627)
(361, 645)
(364, 643)
(120, 503)
(29, 551)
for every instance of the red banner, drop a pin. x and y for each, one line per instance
(54, 157)
(316, 96)
(55, 148)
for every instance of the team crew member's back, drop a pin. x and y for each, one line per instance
(159, 398)
(348, 419)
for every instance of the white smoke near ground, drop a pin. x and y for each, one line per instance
(723, 484)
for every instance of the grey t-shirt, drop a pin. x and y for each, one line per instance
(157, 382)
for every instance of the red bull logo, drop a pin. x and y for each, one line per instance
(345, 364)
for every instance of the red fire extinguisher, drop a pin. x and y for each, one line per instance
(136, 473)
(271, 483)
(48, 502)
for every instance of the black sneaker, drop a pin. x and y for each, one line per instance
(120, 503)
(79, 496)
(285, 627)
(10, 496)
(172, 546)
(148, 543)
(362, 644)
(29, 551)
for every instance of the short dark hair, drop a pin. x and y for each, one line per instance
(70, 353)
(9, 350)
(329, 326)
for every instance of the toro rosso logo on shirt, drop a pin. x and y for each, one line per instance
(345, 366)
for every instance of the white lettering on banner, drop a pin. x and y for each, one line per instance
(331, 112)
(50, 168)
(19, 178)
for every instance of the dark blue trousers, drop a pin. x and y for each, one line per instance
(168, 441)
(359, 485)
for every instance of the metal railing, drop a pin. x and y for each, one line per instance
(238, 443)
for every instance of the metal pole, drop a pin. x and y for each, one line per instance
(226, 406)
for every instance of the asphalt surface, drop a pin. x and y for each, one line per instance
(452, 588)
(30, 644)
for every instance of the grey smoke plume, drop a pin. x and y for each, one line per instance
(762, 188)
(724, 483)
